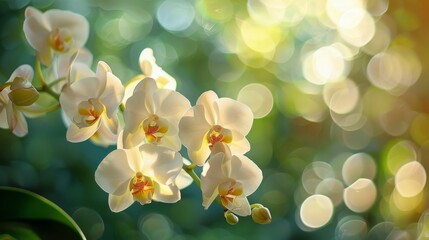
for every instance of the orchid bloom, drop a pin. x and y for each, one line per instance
(150, 69)
(17, 98)
(54, 31)
(152, 116)
(183, 180)
(214, 120)
(139, 174)
(231, 177)
(90, 102)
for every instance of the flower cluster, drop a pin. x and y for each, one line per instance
(148, 121)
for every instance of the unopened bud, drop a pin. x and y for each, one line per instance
(22, 92)
(261, 215)
(231, 218)
(24, 96)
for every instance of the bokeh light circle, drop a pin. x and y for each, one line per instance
(258, 97)
(361, 195)
(316, 211)
(410, 179)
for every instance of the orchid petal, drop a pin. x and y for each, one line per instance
(173, 105)
(235, 115)
(247, 173)
(76, 134)
(209, 100)
(166, 193)
(211, 177)
(193, 129)
(113, 94)
(76, 24)
(113, 171)
(240, 206)
(123, 198)
(161, 163)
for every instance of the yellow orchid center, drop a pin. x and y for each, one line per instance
(88, 112)
(228, 191)
(142, 188)
(60, 40)
(218, 134)
(155, 128)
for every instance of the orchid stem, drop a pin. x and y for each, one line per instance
(190, 170)
(44, 87)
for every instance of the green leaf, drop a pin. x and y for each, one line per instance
(26, 215)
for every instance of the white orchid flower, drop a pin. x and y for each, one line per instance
(139, 174)
(231, 177)
(150, 69)
(183, 180)
(214, 120)
(54, 31)
(90, 102)
(152, 116)
(17, 100)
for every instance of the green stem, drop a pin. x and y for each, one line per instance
(56, 82)
(39, 73)
(45, 87)
(189, 169)
(49, 91)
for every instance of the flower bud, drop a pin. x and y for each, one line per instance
(24, 96)
(22, 92)
(261, 215)
(231, 218)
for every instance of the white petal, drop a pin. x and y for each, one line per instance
(235, 115)
(247, 173)
(239, 145)
(133, 139)
(76, 134)
(16, 121)
(211, 177)
(161, 163)
(146, 61)
(107, 132)
(209, 100)
(172, 105)
(76, 24)
(199, 156)
(166, 193)
(193, 129)
(24, 71)
(135, 160)
(240, 206)
(183, 180)
(113, 171)
(122, 200)
(37, 30)
(113, 94)
(171, 141)
(78, 71)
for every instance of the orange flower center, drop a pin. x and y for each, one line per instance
(155, 128)
(60, 40)
(142, 188)
(228, 191)
(218, 134)
(88, 112)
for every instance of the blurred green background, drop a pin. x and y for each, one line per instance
(339, 91)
